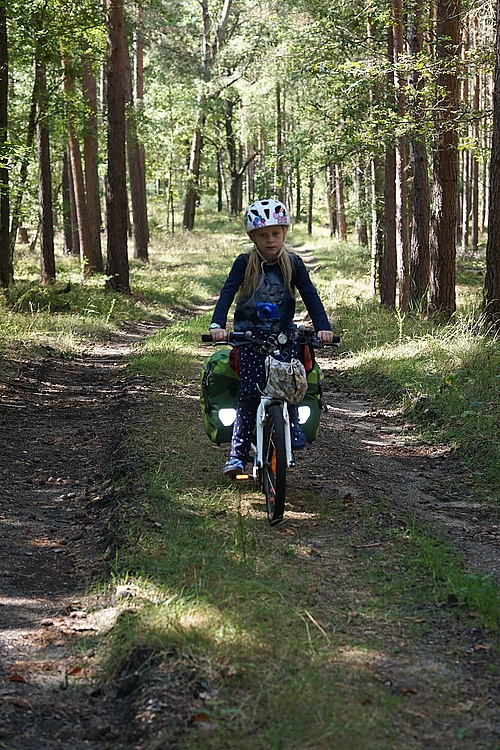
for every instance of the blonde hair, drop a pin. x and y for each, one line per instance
(254, 272)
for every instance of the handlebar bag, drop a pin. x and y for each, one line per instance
(220, 389)
(286, 380)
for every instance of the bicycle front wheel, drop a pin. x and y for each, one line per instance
(274, 467)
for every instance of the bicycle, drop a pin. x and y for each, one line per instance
(273, 454)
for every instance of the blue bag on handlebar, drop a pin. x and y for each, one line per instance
(220, 391)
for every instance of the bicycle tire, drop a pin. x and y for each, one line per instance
(274, 468)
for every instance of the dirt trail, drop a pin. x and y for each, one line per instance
(62, 422)
(61, 427)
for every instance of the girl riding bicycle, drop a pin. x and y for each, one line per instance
(266, 277)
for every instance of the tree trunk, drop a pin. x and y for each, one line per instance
(87, 255)
(45, 208)
(361, 227)
(23, 172)
(209, 53)
(279, 177)
(419, 245)
(117, 267)
(250, 173)
(232, 157)
(90, 155)
(66, 204)
(474, 162)
(6, 267)
(298, 193)
(388, 261)
(136, 173)
(139, 86)
(442, 300)
(331, 195)
(465, 199)
(492, 280)
(310, 204)
(193, 192)
(341, 202)
(377, 222)
(402, 241)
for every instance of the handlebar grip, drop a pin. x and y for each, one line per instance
(336, 340)
(206, 338)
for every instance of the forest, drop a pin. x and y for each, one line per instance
(146, 603)
(379, 116)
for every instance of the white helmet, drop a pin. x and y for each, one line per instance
(268, 213)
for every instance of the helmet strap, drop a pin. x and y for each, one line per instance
(275, 260)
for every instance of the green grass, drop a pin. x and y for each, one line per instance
(446, 376)
(293, 652)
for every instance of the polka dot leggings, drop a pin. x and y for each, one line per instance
(252, 378)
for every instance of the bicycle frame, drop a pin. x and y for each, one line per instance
(265, 402)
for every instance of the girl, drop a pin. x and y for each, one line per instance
(268, 273)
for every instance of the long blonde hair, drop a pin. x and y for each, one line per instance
(254, 272)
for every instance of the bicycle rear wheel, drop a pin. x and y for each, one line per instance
(274, 468)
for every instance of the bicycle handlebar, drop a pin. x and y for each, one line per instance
(234, 337)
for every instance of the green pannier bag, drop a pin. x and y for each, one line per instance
(312, 399)
(220, 391)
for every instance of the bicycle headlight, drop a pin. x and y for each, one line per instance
(304, 414)
(227, 416)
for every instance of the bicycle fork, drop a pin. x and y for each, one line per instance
(259, 448)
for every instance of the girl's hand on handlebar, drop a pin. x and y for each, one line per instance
(218, 334)
(325, 337)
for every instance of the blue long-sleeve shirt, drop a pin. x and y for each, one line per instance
(271, 288)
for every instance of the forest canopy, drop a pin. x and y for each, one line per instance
(377, 119)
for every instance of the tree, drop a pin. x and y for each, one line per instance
(492, 280)
(45, 207)
(136, 172)
(419, 247)
(87, 250)
(6, 269)
(90, 157)
(402, 245)
(388, 263)
(211, 48)
(117, 268)
(442, 299)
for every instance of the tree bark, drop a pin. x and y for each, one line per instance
(210, 51)
(474, 162)
(45, 207)
(341, 202)
(279, 176)
(117, 267)
(492, 279)
(87, 255)
(90, 155)
(6, 266)
(388, 261)
(136, 173)
(377, 222)
(331, 195)
(193, 192)
(442, 299)
(419, 244)
(23, 172)
(310, 204)
(361, 226)
(66, 204)
(402, 241)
